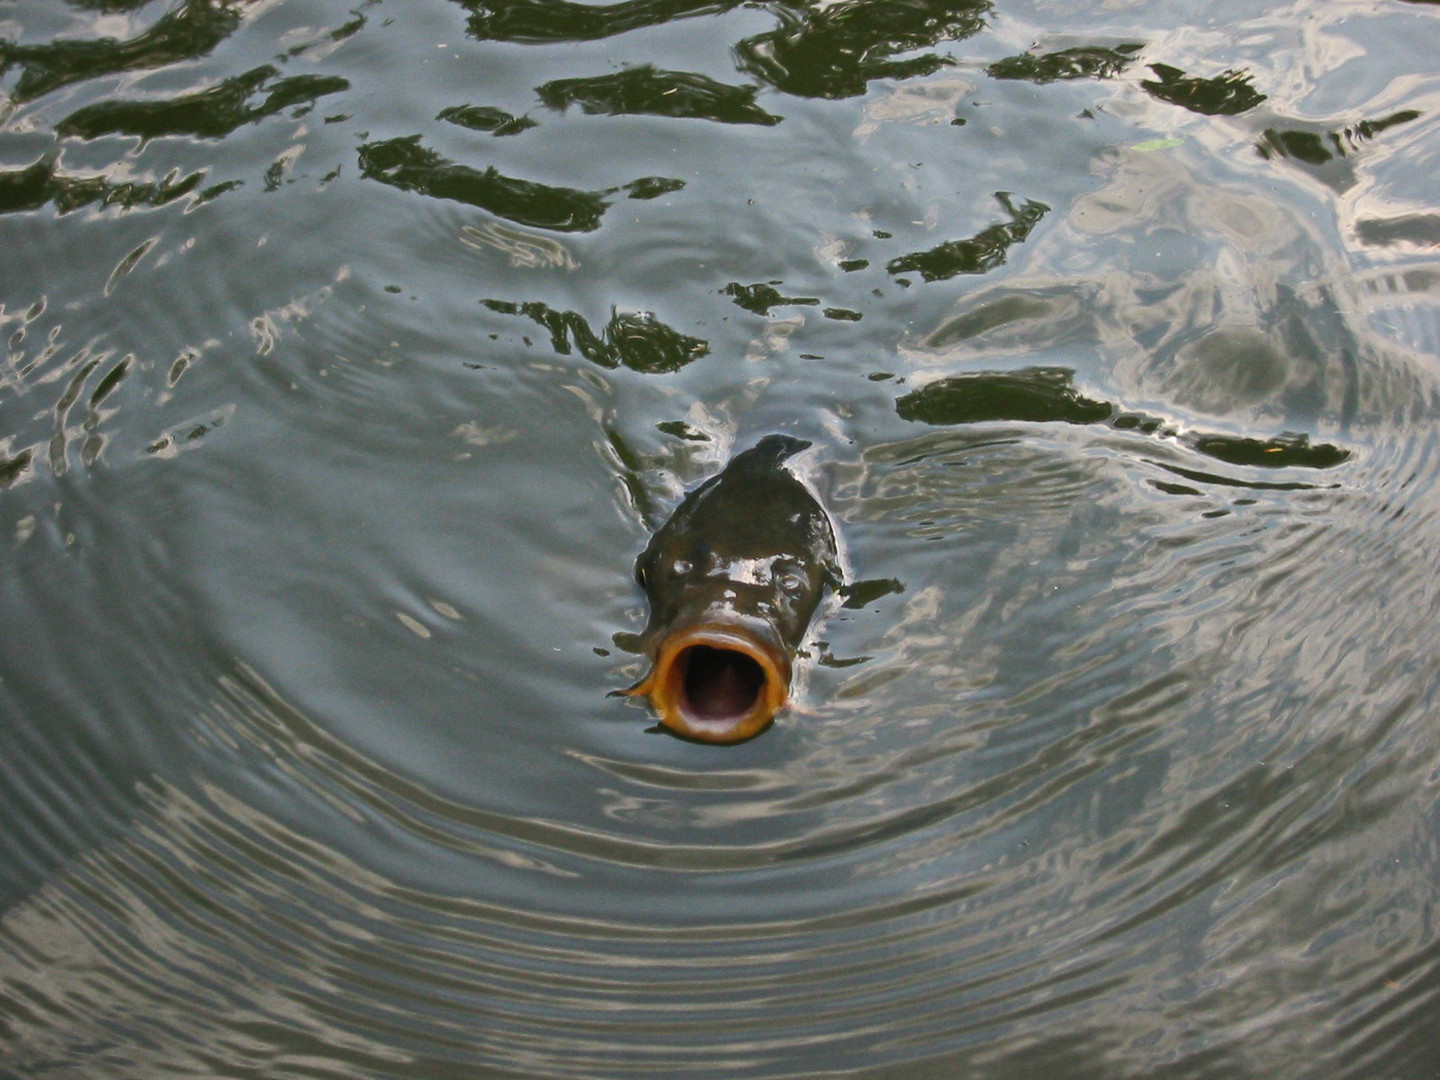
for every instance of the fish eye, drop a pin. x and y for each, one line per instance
(681, 567)
(791, 581)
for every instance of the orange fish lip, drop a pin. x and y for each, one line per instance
(717, 682)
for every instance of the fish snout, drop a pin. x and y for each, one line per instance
(718, 681)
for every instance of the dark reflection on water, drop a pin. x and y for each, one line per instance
(1081, 62)
(1038, 395)
(635, 339)
(834, 52)
(541, 21)
(210, 114)
(350, 353)
(41, 184)
(643, 90)
(1224, 95)
(405, 164)
(192, 29)
(978, 254)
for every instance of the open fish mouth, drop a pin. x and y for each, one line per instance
(717, 683)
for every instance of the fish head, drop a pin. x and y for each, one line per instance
(721, 635)
(733, 579)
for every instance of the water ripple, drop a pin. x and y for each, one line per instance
(346, 367)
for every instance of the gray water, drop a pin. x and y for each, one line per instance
(353, 352)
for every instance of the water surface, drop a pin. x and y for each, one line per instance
(353, 351)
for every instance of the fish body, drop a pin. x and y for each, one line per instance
(733, 579)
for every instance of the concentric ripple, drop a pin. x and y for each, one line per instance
(350, 355)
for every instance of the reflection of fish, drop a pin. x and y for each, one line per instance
(733, 579)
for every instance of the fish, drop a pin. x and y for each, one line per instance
(733, 579)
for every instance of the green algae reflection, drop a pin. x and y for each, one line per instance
(405, 164)
(206, 114)
(1228, 94)
(1047, 395)
(632, 339)
(534, 22)
(192, 30)
(977, 254)
(1082, 62)
(834, 51)
(44, 183)
(646, 91)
